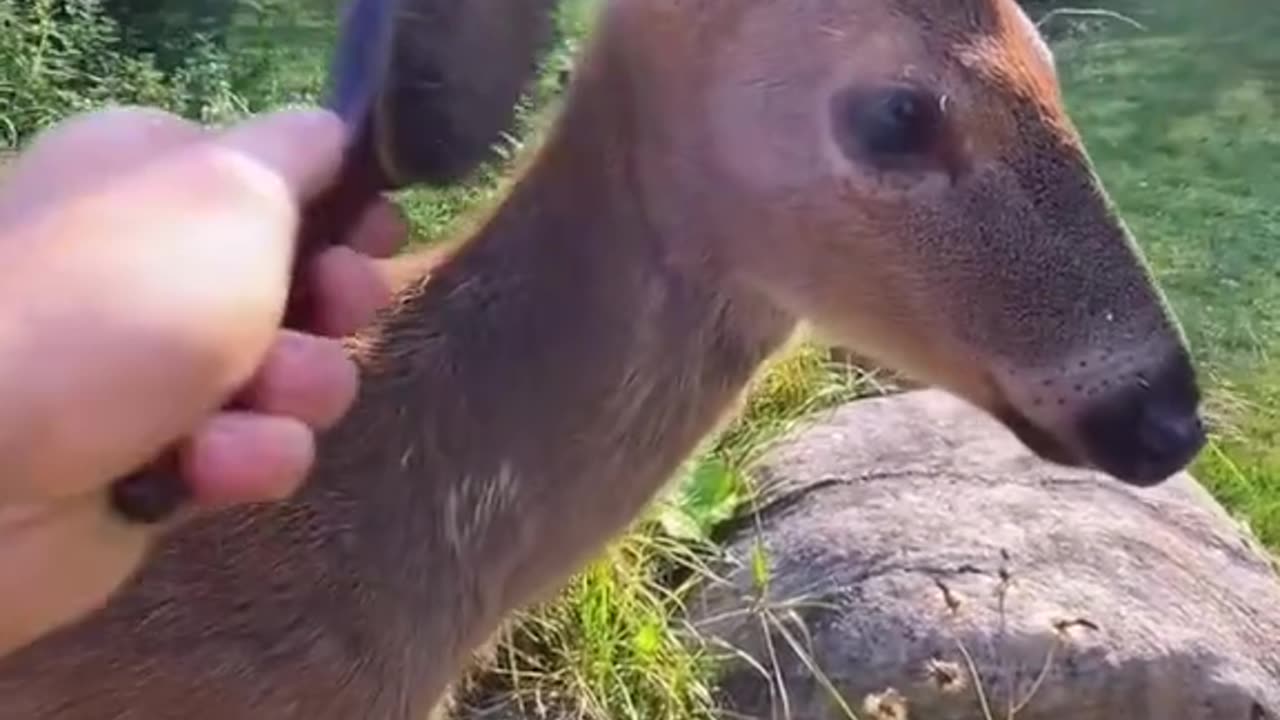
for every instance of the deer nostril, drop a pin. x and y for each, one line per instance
(1167, 434)
(1148, 430)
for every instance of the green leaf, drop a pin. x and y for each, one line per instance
(711, 493)
(679, 524)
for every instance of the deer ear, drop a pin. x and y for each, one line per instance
(431, 85)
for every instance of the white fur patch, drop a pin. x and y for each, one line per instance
(472, 506)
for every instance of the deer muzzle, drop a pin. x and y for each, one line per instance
(1141, 430)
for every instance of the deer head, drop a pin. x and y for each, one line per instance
(903, 174)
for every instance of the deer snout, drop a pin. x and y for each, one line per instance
(1136, 421)
(1148, 429)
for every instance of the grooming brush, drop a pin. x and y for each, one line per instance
(426, 88)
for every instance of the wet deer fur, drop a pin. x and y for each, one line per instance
(712, 181)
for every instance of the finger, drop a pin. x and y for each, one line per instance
(348, 291)
(241, 457)
(86, 150)
(304, 377)
(381, 231)
(351, 288)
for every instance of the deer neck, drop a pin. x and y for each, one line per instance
(522, 404)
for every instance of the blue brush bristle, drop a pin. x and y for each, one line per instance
(357, 62)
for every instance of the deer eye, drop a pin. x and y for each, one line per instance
(887, 127)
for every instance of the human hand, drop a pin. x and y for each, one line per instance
(144, 267)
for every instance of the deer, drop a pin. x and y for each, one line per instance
(900, 175)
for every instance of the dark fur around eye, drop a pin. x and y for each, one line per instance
(894, 127)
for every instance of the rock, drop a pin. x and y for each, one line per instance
(902, 533)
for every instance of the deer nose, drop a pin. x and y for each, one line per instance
(1147, 430)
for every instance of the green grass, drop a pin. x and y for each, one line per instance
(1183, 122)
(612, 646)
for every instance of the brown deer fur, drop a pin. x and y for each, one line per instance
(522, 404)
